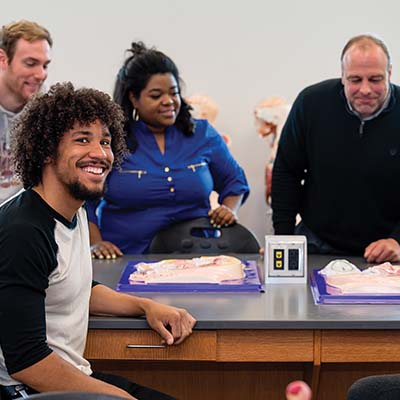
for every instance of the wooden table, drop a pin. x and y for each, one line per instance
(250, 346)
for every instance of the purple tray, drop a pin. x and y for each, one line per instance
(318, 289)
(251, 282)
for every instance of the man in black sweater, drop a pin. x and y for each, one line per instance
(338, 160)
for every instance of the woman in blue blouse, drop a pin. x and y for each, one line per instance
(174, 162)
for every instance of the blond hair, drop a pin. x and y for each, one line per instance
(28, 30)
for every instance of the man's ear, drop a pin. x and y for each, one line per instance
(3, 59)
(48, 160)
(343, 78)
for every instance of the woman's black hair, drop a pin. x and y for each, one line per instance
(133, 77)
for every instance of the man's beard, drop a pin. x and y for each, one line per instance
(80, 192)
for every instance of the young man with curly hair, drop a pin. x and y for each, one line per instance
(24, 59)
(64, 145)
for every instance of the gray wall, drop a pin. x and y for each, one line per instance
(237, 53)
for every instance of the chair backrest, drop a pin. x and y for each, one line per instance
(199, 236)
(72, 396)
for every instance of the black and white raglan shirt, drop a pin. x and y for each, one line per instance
(45, 285)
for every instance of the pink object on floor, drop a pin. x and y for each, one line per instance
(298, 390)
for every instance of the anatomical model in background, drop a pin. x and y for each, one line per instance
(270, 116)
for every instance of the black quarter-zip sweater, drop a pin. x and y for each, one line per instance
(350, 170)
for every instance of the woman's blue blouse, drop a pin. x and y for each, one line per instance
(151, 190)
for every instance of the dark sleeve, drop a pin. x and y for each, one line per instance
(26, 260)
(229, 178)
(289, 170)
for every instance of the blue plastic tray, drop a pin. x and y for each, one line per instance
(251, 282)
(318, 289)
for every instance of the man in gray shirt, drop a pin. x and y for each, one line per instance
(24, 59)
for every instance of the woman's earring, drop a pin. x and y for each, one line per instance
(135, 115)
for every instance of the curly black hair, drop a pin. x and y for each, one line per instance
(36, 135)
(133, 77)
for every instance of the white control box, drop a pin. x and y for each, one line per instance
(285, 259)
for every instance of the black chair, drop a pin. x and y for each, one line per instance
(378, 387)
(199, 236)
(72, 396)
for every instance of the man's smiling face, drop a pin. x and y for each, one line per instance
(83, 161)
(24, 74)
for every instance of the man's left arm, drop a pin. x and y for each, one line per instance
(383, 250)
(173, 324)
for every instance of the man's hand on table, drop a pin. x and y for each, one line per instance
(383, 250)
(173, 324)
